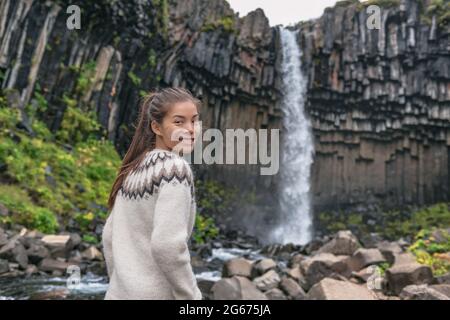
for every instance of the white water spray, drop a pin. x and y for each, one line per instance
(297, 149)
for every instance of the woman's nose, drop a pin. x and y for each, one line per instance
(190, 128)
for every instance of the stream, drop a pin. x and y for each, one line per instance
(93, 287)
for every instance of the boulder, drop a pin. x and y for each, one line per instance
(343, 243)
(262, 266)
(31, 269)
(37, 252)
(57, 294)
(92, 253)
(443, 279)
(404, 258)
(236, 288)
(15, 251)
(365, 257)
(292, 288)
(402, 275)
(442, 288)
(3, 238)
(275, 294)
(267, 281)
(332, 289)
(422, 292)
(4, 266)
(50, 265)
(56, 241)
(296, 260)
(389, 250)
(237, 267)
(323, 265)
(59, 245)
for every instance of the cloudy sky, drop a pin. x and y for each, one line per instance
(283, 12)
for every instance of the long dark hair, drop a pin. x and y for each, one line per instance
(154, 106)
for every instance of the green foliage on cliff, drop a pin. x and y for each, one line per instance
(134, 78)
(77, 125)
(380, 3)
(54, 183)
(439, 9)
(25, 211)
(162, 20)
(213, 199)
(86, 76)
(225, 23)
(391, 225)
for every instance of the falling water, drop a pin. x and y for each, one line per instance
(297, 149)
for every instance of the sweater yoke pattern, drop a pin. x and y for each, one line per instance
(157, 168)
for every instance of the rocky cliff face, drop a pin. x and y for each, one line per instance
(379, 103)
(378, 99)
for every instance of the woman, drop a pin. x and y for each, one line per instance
(152, 204)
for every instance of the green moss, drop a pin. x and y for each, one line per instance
(77, 124)
(380, 3)
(225, 23)
(162, 17)
(134, 78)
(345, 3)
(437, 8)
(86, 76)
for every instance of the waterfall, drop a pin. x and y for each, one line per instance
(297, 149)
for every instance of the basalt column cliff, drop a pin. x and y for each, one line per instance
(380, 106)
(378, 100)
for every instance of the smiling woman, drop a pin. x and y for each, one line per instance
(153, 205)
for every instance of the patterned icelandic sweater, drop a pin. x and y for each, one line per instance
(145, 238)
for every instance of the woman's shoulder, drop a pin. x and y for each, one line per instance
(166, 159)
(158, 168)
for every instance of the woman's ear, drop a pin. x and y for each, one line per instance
(156, 128)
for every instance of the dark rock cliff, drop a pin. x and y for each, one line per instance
(378, 99)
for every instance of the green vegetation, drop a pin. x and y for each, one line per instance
(86, 76)
(437, 215)
(205, 229)
(391, 225)
(213, 199)
(432, 247)
(47, 184)
(225, 23)
(77, 125)
(162, 20)
(345, 3)
(438, 8)
(380, 3)
(25, 212)
(134, 78)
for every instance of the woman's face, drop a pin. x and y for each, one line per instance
(179, 128)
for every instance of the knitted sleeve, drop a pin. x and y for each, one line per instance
(170, 234)
(107, 245)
